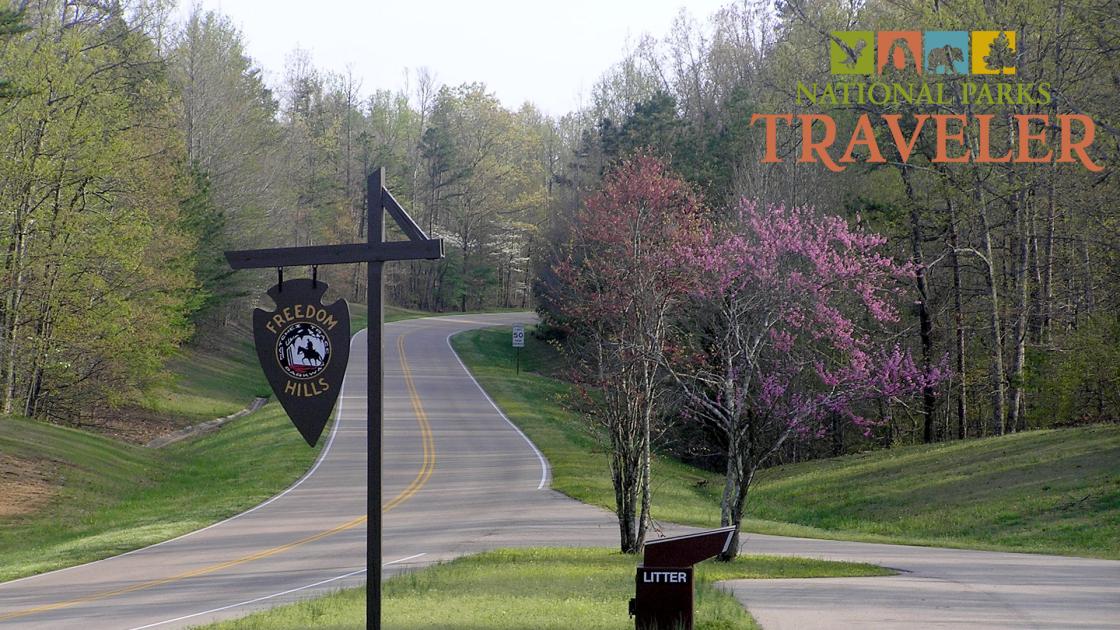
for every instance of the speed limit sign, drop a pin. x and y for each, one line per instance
(518, 335)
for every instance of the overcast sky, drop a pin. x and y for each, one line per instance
(547, 52)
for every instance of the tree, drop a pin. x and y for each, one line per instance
(94, 269)
(618, 285)
(11, 23)
(227, 117)
(784, 344)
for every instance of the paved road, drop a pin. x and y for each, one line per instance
(458, 479)
(939, 588)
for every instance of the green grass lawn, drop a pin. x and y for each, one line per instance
(113, 497)
(543, 589)
(207, 383)
(359, 314)
(1054, 491)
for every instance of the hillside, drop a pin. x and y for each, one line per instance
(70, 496)
(1054, 491)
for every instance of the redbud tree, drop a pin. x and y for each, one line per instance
(618, 282)
(785, 330)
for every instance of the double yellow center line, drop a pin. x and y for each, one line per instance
(427, 467)
(427, 440)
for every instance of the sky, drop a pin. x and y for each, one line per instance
(548, 52)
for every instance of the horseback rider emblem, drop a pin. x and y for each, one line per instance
(303, 350)
(303, 347)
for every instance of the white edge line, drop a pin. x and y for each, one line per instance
(251, 601)
(272, 596)
(305, 477)
(544, 462)
(402, 560)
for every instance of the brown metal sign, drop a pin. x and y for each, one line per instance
(303, 347)
(664, 583)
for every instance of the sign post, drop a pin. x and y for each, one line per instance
(518, 343)
(376, 252)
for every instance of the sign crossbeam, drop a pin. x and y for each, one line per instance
(376, 252)
(431, 249)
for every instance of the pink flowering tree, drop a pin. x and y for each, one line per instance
(618, 280)
(785, 333)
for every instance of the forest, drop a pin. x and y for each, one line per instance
(136, 148)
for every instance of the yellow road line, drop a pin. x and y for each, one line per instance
(427, 440)
(426, 469)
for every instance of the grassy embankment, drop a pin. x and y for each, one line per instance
(544, 589)
(1055, 491)
(91, 497)
(109, 497)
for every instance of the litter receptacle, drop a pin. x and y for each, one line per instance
(664, 586)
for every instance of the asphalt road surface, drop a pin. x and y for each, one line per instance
(459, 479)
(936, 588)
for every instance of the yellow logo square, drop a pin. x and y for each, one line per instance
(993, 52)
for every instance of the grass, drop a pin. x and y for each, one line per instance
(544, 589)
(113, 497)
(1055, 491)
(359, 315)
(204, 384)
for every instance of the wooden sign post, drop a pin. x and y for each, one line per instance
(376, 252)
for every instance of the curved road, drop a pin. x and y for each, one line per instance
(459, 479)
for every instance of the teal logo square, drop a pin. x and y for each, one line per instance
(946, 52)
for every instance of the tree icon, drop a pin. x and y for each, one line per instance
(1001, 55)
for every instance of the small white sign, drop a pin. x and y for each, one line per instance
(519, 335)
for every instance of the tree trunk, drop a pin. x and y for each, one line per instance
(1090, 297)
(925, 321)
(740, 472)
(645, 488)
(624, 507)
(958, 322)
(995, 365)
(1015, 421)
(1047, 289)
(14, 269)
(1047, 281)
(631, 494)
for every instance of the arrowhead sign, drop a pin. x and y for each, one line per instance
(303, 347)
